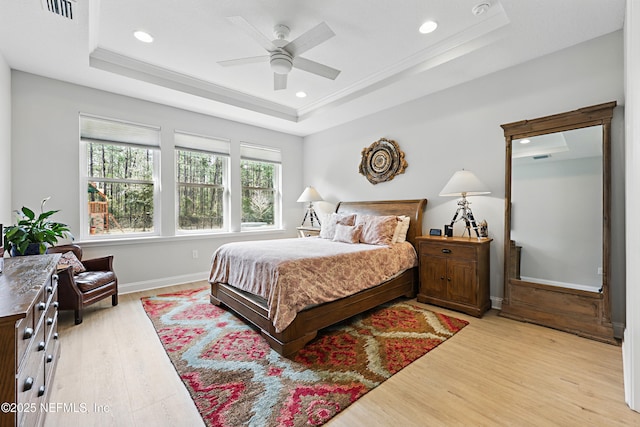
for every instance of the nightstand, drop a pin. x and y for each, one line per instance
(454, 273)
(308, 231)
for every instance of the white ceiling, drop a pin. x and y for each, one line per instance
(384, 60)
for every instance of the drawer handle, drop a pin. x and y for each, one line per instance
(50, 289)
(49, 358)
(55, 277)
(28, 383)
(41, 391)
(49, 321)
(41, 346)
(28, 333)
(55, 336)
(446, 251)
(42, 306)
(441, 277)
(56, 304)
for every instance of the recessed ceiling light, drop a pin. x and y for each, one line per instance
(143, 36)
(525, 141)
(428, 27)
(301, 94)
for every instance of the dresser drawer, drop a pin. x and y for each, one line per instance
(25, 331)
(52, 311)
(445, 249)
(31, 386)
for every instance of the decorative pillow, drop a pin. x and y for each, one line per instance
(69, 258)
(400, 235)
(377, 230)
(328, 227)
(347, 233)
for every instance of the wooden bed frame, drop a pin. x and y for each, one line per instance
(307, 323)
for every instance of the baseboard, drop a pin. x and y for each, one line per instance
(161, 283)
(496, 303)
(618, 330)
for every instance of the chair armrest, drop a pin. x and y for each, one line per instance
(99, 264)
(67, 288)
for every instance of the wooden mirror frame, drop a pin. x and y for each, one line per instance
(581, 312)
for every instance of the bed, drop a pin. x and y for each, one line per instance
(307, 322)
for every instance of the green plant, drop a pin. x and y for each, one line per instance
(32, 229)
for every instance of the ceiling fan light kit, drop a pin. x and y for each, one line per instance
(284, 55)
(281, 62)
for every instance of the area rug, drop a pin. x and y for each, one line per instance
(236, 379)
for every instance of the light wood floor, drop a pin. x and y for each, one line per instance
(113, 371)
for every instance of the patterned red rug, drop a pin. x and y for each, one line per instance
(235, 379)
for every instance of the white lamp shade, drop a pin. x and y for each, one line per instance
(310, 194)
(464, 183)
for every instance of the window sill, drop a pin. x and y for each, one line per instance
(179, 237)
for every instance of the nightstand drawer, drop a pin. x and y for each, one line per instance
(449, 250)
(308, 231)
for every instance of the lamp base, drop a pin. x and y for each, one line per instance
(311, 214)
(463, 213)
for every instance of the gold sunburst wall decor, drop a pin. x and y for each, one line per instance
(382, 161)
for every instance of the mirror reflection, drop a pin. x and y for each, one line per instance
(556, 208)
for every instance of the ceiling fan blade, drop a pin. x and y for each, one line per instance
(279, 81)
(253, 32)
(310, 39)
(243, 61)
(315, 68)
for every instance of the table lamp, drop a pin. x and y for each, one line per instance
(464, 183)
(310, 195)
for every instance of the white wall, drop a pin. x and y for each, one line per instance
(460, 128)
(46, 163)
(631, 344)
(5, 143)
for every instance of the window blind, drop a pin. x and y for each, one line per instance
(112, 131)
(206, 144)
(260, 153)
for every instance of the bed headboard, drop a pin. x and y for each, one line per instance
(414, 209)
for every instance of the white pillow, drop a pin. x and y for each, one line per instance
(328, 227)
(400, 235)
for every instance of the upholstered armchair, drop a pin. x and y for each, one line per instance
(85, 282)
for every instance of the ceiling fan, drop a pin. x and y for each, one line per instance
(284, 55)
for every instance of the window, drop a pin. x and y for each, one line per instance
(260, 180)
(121, 175)
(201, 182)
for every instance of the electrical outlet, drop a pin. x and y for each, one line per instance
(600, 271)
(194, 253)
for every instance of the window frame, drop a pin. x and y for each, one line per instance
(85, 179)
(221, 148)
(263, 154)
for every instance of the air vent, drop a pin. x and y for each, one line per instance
(62, 8)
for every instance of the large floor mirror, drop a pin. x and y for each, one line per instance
(557, 230)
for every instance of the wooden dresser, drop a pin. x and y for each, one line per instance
(28, 337)
(454, 273)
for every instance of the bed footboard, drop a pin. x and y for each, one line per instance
(308, 322)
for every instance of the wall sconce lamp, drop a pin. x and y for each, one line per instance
(310, 195)
(464, 183)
